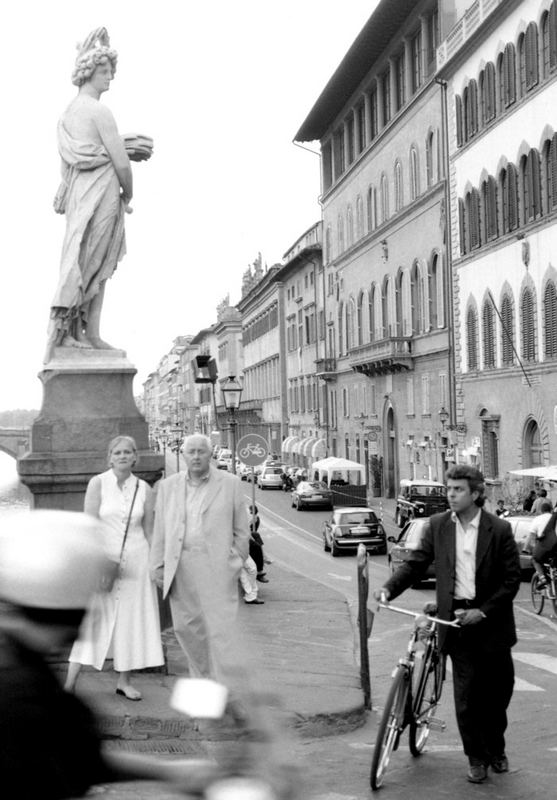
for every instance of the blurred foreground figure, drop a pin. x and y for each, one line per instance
(51, 562)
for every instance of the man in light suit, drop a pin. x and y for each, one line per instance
(200, 541)
(478, 574)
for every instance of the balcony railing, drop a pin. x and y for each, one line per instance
(464, 28)
(382, 357)
(326, 368)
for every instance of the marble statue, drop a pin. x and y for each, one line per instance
(95, 194)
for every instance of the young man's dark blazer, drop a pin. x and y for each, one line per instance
(497, 576)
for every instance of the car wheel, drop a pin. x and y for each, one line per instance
(326, 547)
(293, 503)
(298, 505)
(334, 549)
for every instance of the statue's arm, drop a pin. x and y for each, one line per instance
(115, 148)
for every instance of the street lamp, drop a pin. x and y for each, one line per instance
(177, 441)
(443, 416)
(232, 392)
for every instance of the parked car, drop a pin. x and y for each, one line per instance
(271, 477)
(224, 459)
(521, 531)
(308, 494)
(419, 498)
(405, 543)
(350, 526)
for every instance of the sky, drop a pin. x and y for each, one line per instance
(222, 87)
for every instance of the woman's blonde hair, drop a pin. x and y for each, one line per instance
(116, 441)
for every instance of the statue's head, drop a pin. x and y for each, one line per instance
(94, 51)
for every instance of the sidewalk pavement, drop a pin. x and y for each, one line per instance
(303, 652)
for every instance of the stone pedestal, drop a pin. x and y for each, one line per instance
(87, 400)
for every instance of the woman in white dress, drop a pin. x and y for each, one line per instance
(122, 624)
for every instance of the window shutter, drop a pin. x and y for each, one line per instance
(512, 185)
(550, 320)
(553, 170)
(507, 331)
(459, 128)
(488, 335)
(471, 330)
(552, 22)
(510, 74)
(531, 43)
(534, 174)
(461, 227)
(528, 326)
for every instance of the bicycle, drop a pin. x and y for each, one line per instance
(549, 591)
(414, 694)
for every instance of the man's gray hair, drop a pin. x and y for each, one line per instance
(200, 437)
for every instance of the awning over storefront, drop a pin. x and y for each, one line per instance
(319, 449)
(288, 444)
(306, 445)
(296, 445)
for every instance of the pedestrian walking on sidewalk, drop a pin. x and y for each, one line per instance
(123, 623)
(248, 582)
(200, 542)
(478, 575)
(50, 564)
(256, 544)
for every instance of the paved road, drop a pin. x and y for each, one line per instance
(337, 767)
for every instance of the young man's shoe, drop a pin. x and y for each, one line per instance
(500, 763)
(254, 602)
(477, 773)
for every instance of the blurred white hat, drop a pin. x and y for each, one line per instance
(50, 559)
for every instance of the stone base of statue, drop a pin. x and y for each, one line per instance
(87, 401)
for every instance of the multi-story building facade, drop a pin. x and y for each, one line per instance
(263, 407)
(301, 281)
(499, 63)
(386, 365)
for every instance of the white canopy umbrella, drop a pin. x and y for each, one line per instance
(546, 473)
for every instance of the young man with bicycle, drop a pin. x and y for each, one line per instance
(478, 575)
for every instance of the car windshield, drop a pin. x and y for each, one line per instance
(428, 491)
(273, 471)
(355, 518)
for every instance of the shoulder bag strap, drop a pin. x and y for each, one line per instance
(129, 519)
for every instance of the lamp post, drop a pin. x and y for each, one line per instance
(164, 440)
(177, 434)
(232, 392)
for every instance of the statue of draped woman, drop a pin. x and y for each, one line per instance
(95, 193)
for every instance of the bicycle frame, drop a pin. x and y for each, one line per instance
(411, 702)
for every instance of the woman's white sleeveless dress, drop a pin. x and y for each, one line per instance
(123, 624)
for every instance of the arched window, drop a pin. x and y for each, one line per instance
(531, 56)
(460, 134)
(399, 198)
(340, 328)
(487, 93)
(429, 143)
(549, 40)
(472, 338)
(528, 324)
(389, 308)
(488, 331)
(399, 313)
(340, 233)
(414, 174)
(507, 77)
(417, 300)
(406, 292)
(508, 191)
(350, 324)
(384, 198)
(532, 446)
(522, 64)
(472, 217)
(328, 244)
(470, 100)
(370, 225)
(507, 331)
(530, 184)
(436, 319)
(551, 173)
(462, 228)
(349, 226)
(550, 320)
(360, 319)
(371, 313)
(359, 217)
(489, 200)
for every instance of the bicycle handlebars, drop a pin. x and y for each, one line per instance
(417, 615)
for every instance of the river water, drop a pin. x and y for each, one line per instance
(14, 496)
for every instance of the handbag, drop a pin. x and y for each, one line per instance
(112, 570)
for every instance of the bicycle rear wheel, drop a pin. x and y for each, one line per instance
(426, 698)
(538, 594)
(391, 726)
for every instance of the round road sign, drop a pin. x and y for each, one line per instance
(252, 449)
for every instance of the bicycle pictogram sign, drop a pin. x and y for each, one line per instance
(252, 449)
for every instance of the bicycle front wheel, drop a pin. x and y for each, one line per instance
(538, 594)
(426, 698)
(391, 726)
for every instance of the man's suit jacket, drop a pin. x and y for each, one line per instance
(225, 527)
(497, 574)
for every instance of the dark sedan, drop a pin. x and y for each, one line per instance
(405, 543)
(350, 527)
(309, 494)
